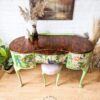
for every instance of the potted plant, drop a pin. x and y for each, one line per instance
(6, 62)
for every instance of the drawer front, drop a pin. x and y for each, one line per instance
(23, 61)
(41, 58)
(77, 61)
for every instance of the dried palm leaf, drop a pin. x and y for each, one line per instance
(25, 13)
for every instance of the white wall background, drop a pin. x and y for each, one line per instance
(12, 24)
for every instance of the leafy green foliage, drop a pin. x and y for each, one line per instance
(5, 57)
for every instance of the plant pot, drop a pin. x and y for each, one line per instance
(9, 70)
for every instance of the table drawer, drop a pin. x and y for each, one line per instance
(76, 61)
(23, 61)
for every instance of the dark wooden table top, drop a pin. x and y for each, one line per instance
(52, 45)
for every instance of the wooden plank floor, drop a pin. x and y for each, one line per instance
(34, 89)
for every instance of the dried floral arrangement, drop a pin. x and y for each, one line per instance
(31, 16)
(96, 61)
(96, 30)
(35, 12)
(96, 57)
(25, 13)
(96, 53)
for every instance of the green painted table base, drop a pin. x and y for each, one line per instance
(27, 61)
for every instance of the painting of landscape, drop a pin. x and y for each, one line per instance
(55, 9)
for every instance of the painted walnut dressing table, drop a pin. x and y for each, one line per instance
(73, 51)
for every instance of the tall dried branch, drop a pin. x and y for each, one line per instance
(25, 13)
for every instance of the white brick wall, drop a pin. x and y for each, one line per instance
(12, 24)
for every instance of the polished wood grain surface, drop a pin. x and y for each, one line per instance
(52, 45)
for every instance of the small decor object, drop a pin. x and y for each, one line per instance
(51, 69)
(35, 33)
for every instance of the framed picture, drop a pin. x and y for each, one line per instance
(54, 9)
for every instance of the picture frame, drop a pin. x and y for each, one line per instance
(53, 9)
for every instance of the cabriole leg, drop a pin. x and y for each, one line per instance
(19, 78)
(57, 79)
(44, 79)
(84, 72)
